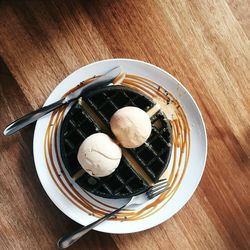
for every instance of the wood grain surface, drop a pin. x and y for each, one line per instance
(204, 44)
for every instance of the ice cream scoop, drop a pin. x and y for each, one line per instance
(99, 155)
(131, 126)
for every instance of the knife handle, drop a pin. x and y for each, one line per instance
(31, 117)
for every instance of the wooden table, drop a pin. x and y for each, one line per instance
(204, 44)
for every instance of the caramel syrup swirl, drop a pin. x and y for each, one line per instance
(180, 154)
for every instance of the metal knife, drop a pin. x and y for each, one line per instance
(35, 115)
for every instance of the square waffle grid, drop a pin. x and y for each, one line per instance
(107, 103)
(151, 156)
(79, 127)
(123, 182)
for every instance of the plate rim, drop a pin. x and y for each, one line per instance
(128, 60)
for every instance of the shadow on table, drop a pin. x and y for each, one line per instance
(30, 206)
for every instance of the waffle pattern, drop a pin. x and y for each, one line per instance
(105, 103)
(76, 127)
(124, 182)
(152, 156)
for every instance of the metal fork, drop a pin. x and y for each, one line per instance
(158, 188)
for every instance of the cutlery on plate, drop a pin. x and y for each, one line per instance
(158, 188)
(35, 115)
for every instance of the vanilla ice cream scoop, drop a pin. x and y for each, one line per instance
(99, 155)
(131, 126)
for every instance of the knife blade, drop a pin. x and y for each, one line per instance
(35, 115)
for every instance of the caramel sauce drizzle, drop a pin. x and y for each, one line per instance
(180, 154)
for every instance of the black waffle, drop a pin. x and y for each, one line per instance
(153, 156)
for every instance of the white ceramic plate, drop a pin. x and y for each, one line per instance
(68, 204)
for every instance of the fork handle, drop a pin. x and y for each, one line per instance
(67, 240)
(31, 117)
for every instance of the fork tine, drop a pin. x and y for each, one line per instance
(151, 195)
(158, 187)
(161, 180)
(160, 183)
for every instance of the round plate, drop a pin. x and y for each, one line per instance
(187, 184)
